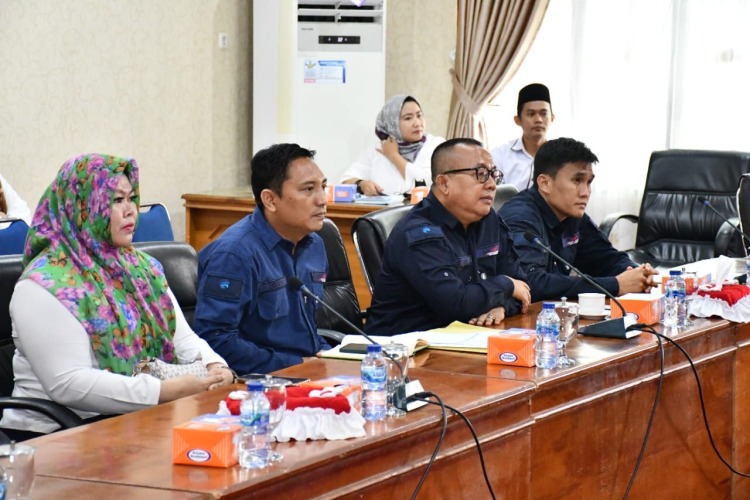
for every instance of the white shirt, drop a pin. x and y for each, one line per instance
(54, 361)
(515, 163)
(372, 165)
(16, 206)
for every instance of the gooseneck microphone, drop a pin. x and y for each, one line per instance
(613, 328)
(399, 398)
(708, 205)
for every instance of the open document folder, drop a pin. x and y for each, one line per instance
(455, 337)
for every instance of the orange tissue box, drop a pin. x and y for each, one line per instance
(206, 440)
(512, 347)
(646, 307)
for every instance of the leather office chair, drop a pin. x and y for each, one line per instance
(674, 227)
(153, 224)
(13, 237)
(743, 207)
(180, 263)
(370, 232)
(10, 270)
(503, 193)
(339, 291)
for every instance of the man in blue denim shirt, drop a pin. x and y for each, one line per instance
(246, 311)
(553, 210)
(451, 257)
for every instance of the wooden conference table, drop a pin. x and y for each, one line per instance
(207, 215)
(571, 433)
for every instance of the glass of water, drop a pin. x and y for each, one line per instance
(17, 460)
(397, 359)
(568, 328)
(275, 391)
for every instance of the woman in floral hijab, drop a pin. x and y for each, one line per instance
(89, 306)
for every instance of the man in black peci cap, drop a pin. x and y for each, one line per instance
(515, 158)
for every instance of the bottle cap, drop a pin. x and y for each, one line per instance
(548, 305)
(675, 272)
(254, 386)
(373, 348)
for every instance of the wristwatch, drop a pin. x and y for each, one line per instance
(359, 188)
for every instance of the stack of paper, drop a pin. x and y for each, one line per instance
(455, 337)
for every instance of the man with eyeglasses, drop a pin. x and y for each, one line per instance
(554, 210)
(451, 257)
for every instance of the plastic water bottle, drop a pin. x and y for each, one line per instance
(374, 394)
(254, 414)
(547, 334)
(675, 312)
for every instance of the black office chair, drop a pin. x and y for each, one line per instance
(674, 226)
(743, 207)
(13, 237)
(180, 263)
(10, 270)
(503, 193)
(339, 291)
(154, 224)
(370, 233)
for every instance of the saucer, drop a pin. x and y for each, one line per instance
(593, 315)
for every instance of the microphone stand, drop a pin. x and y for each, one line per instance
(610, 328)
(401, 393)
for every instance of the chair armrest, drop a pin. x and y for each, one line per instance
(63, 415)
(332, 336)
(610, 220)
(728, 229)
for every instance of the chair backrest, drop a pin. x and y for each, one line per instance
(180, 263)
(370, 233)
(503, 193)
(13, 237)
(674, 227)
(743, 206)
(339, 291)
(10, 270)
(153, 224)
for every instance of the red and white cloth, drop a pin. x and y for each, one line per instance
(311, 413)
(730, 301)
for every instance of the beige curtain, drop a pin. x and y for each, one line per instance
(493, 38)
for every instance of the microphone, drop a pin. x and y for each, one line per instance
(402, 393)
(612, 328)
(711, 207)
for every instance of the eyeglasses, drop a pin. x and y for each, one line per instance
(482, 173)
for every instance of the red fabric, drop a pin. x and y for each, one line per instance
(730, 294)
(299, 397)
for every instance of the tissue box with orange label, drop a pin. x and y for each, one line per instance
(511, 347)
(206, 440)
(646, 307)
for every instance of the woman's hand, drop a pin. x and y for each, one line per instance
(224, 371)
(389, 149)
(370, 188)
(187, 385)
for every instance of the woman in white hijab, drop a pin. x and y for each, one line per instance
(401, 158)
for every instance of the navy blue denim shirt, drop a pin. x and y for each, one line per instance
(246, 311)
(579, 241)
(435, 272)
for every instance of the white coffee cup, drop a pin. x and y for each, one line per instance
(591, 304)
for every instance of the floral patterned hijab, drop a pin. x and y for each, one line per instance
(118, 294)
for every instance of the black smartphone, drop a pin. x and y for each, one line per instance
(261, 376)
(354, 348)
